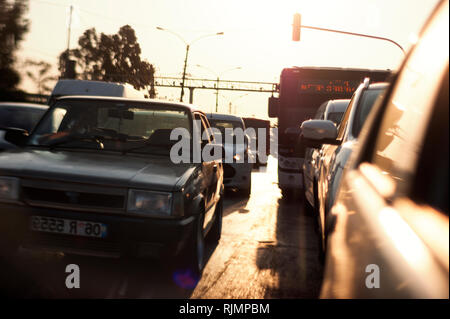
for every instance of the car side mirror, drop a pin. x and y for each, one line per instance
(16, 136)
(315, 133)
(273, 106)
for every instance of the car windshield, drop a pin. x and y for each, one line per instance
(20, 117)
(335, 117)
(110, 125)
(226, 124)
(367, 101)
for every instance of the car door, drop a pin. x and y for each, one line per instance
(391, 234)
(312, 155)
(328, 153)
(209, 172)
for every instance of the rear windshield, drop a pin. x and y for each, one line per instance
(223, 124)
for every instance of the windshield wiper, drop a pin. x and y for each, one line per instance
(72, 138)
(145, 145)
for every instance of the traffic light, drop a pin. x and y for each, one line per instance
(296, 26)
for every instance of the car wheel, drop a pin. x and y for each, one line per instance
(309, 209)
(216, 230)
(245, 192)
(194, 253)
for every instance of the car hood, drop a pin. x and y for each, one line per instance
(108, 169)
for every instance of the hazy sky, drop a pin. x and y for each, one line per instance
(257, 37)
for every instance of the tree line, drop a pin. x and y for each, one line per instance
(98, 56)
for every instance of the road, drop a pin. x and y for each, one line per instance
(268, 249)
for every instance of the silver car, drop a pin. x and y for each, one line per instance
(331, 110)
(390, 231)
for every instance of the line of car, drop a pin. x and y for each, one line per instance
(380, 190)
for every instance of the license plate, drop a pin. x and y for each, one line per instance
(68, 226)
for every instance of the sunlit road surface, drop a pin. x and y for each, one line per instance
(268, 249)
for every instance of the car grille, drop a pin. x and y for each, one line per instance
(76, 198)
(72, 196)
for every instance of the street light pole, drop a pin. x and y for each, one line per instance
(188, 45)
(297, 25)
(218, 80)
(217, 94)
(356, 34)
(184, 73)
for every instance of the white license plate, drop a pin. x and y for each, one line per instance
(68, 226)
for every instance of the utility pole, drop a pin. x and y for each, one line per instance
(70, 27)
(217, 94)
(187, 53)
(184, 73)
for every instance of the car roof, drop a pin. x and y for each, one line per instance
(189, 107)
(100, 88)
(225, 117)
(24, 105)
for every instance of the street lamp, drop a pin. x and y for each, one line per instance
(187, 52)
(235, 104)
(218, 80)
(297, 25)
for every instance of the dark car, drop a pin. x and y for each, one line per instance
(97, 177)
(390, 234)
(18, 115)
(238, 173)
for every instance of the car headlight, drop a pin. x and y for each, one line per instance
(9, 189)
(149, 203)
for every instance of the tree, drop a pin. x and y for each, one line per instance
(12, 30)
(41, 75)
(114, 58)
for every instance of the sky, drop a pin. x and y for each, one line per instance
(256, 44)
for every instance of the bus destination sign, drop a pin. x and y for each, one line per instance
(328, 86)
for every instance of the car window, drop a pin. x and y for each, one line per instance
(368, 99)
(207, 128)
(20, 117)
(335, 117)
(408, 109)
(343, 124)
(431, 182)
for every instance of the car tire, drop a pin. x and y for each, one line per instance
(245, 192)
(193, 256)
(309, 209)
(216, 230)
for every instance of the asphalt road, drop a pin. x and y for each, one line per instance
(268, 249)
